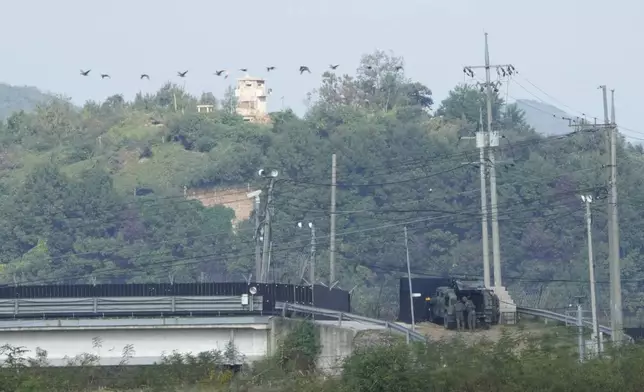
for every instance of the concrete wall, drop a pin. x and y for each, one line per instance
(233, 198)
(149, 344)
(337, 343)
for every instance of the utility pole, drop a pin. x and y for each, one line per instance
(332, 228)
(616, 312)
(615, 266)
(267, 222)
(580, 329)
(496, 246)
(258, 237)
(587, 199)
(493, 141)
(481, 144)
(411, 296)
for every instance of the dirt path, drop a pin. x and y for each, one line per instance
(438, 332)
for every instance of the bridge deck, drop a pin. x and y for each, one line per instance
(353, 325)
(256, 322)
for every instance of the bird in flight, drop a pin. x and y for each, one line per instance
(243, 69)
(220, 72)
(145, 76)
(269, 69)
(85, 73)
(334, 67)
(303, 69)
(103, 76)
(182, 74)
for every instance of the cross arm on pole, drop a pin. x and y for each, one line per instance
(486, 66)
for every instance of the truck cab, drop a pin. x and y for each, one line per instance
(442, 307)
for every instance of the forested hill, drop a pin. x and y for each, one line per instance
(543, 117)
(98, 191)
(16, 98)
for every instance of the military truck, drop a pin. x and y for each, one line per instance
(441, 305)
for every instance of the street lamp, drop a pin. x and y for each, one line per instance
(312, 259)
(587, 200)
(268, 173)
(272, 174)
(258, 247)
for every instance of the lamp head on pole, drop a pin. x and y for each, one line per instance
(268, 173)
(300, 225)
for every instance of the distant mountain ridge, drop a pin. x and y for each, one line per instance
(16, 98)
(543, 117)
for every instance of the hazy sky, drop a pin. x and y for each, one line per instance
(565, 47)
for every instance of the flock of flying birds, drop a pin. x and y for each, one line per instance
(224, 73)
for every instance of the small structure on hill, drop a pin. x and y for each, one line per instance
(251, 96)
(205, 108)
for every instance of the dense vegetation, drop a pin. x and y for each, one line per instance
(514, 363)
(97, 192)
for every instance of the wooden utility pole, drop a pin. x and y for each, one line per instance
(332, 234)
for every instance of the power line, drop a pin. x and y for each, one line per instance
(226, 256)
(215, 234)
(417, 164)
(289, 205)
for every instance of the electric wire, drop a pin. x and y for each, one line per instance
(394, 223)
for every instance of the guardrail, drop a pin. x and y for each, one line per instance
(547, 314)
(415, 336)
(22, 307)
(342, 316)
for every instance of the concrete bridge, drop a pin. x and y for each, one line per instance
(149, 339)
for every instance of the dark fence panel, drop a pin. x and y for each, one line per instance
(635, 333)
(426, 287)
(335, 299)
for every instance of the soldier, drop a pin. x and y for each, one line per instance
(470, 309)
(459, 309)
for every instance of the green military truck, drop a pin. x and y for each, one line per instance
(441, 305)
